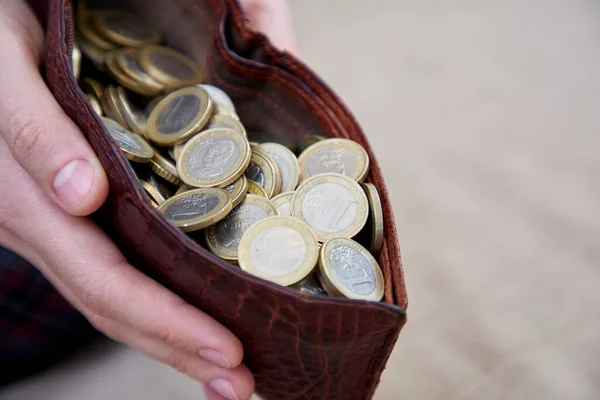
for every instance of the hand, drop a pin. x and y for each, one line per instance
(49, 176)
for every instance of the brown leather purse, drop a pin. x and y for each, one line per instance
(298, 346)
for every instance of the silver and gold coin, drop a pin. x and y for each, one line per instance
(283, 202)
(126, 59)
(86, 29)
(154, 194)
(348, 269)
(185, 188)
(178, 116)
(122, 28)
(375, 220)
(255, 188)
(164, 168)
(197, 208)
(283, 250)
(135, 148)
(169, 67)
(91, 52)
(124, 78)
(225, 121)
(92, 86)
(332, 204)
(224, 237)
(263, 170)
(310, 285)
(342, 156)
(135, 117)
(237, 190)
(287, 163)
(219, 96)
(214, 158)
(111, 102)
(95, 103)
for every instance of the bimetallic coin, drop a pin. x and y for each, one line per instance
(169, 67)
(310, 285)
(223, 238)
(283, 202)
(214, 158)
(134, 147)
(348, 269)
(153, 193)
(283, 250)
(332, 204)
(263, 170)
(309, 141)
(126, 59)
(341, 156)
(179, 116)
(110, 98)
(87, 32)
(219, 96)
(225, 121)
(287, 163)
(76, 61)
(123, 29)
(124, 79)
(255, 188)
(164, 168)
(375, 220)
(95, 103)
(135, 118)
(196, 209)
(92, 86)
(152, 104)
(237, 190)
(177, 150)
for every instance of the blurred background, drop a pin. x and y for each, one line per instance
(485, 118)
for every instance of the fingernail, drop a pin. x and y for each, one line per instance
(73, 182)
(224, 388)
(215, 357)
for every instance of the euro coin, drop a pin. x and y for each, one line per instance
(219, 96)
(197, 208)
(95, 103)
(123, 29)
(348, 269)
(179, 116)
(310, 285)
(226, 121)
(164, 168)
(169, 67)
(124, 79)
(135, 148)
(283, 250)
(126, 59)
(263, 170)
(214, 158)
(224, 237)
(76, 61)
(332, 204)
(237, 190)
(342, 156)
(153, 193)
(287, 163)
(255, 188)
(374, 226)
(92, 86)
(283, 202)
(135, 117)
(87, 32)
(110, 97)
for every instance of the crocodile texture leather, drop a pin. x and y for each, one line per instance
(298, 346)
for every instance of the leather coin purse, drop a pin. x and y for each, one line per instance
(298, 346)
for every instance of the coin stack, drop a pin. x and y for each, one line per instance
(308, 222)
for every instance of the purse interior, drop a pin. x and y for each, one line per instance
(272, 103)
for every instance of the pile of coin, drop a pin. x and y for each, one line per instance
(308, 222)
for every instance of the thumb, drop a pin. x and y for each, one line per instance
(41, 137)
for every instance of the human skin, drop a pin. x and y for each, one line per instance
(51, 179)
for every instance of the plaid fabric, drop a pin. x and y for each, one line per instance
(38, 327)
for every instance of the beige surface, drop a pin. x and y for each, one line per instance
(485, 117)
